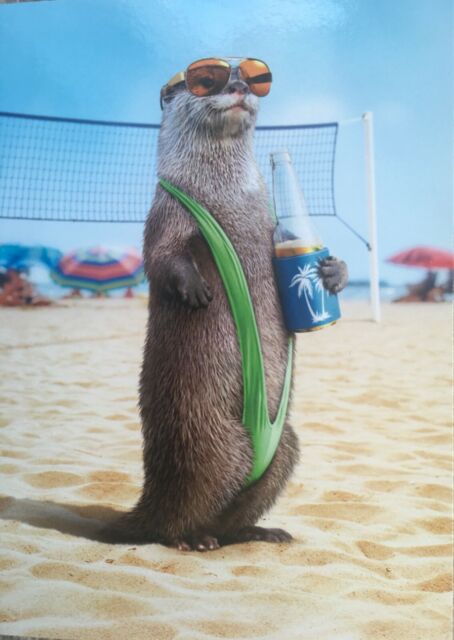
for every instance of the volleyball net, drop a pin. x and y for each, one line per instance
(73, 170)
(66, 169)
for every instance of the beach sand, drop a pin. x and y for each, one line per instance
(369, 505)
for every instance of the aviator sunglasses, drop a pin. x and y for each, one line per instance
(209, 76)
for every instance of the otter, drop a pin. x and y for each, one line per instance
(197, 453)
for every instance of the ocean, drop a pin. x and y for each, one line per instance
(354, 291)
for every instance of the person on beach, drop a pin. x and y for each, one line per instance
(16, 291)
(448, 286)
(425, 291)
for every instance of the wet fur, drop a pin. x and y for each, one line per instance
(197, 453)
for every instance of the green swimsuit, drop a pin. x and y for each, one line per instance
(265, 435)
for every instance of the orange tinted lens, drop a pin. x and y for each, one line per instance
(257, 75)
(207, 77)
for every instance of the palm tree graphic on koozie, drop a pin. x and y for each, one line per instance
(307, 278)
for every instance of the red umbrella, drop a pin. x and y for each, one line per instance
(426, 257)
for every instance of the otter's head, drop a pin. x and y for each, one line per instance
(228, 113)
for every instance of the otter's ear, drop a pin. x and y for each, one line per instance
(168, 93)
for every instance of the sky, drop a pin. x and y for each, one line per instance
(332, 60)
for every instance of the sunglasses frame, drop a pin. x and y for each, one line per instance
(180, 77)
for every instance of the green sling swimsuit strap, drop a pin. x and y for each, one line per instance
(265, 435)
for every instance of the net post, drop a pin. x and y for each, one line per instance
(371, 206)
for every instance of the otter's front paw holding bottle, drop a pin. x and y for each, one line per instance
(334, 274)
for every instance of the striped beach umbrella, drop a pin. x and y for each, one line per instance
(99, 269)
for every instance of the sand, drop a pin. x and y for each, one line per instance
(369, 505)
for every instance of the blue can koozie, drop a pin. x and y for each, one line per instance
(306, 304)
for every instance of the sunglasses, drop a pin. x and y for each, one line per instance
(209, 76)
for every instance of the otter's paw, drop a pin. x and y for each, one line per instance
(334, 274)
(204, 542)
(177, 543)
(187, 287)
(195, 542)
(261, 534)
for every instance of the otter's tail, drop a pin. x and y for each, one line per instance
(128, 529)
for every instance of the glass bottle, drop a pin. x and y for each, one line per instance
(298, 251)
(295, 233)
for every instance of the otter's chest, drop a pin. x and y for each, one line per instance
(245, 218)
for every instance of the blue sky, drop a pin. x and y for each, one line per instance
(331, 60)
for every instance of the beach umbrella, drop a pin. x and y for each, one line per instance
(425, 257)
(19, 257)
(99, 269)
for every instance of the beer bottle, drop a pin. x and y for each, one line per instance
(298, 251)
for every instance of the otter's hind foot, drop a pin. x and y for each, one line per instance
(260, 534)
(195, 542)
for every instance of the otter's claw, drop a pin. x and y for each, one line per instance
(186, 286)
(195, 542)
(334, 274)
(196, 294)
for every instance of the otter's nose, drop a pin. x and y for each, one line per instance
(238, 86)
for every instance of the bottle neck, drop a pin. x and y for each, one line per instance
(290, 206)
